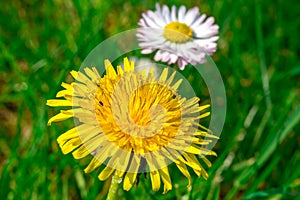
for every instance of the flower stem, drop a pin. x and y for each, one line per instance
(113, 189)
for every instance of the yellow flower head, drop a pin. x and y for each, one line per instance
(134, 123)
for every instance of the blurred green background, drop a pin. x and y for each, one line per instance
(258, 57)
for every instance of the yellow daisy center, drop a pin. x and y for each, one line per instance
(178, 32)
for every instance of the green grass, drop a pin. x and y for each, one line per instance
(258, 57)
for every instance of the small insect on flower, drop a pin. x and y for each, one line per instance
(133, 123)
(183, 37)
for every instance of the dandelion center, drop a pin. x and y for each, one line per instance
(140, 115)
(178, 32)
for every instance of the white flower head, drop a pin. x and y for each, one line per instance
(183, 36)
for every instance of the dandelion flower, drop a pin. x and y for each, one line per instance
(183, 37)
(132, 123)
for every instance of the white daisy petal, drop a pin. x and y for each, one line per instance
(158, 56)
(142, 22)
(181, 13)
(147, 51)
(209, 21)
(173, 14)
(205, 33)
(157, 6)
(191, 15)
(166, 14)
(173, 58)
(182, 63)
(172, 46)
(149, 21)
(165, 57)
(198, 21)
(159, 21)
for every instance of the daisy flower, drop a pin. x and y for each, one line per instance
(183, 36)
(132, 123)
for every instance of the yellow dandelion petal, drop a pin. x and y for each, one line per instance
(70, 145)
(58, 102)
(80, 88)
(84, 136)
(151, 75)
(130, 177)
(204, 107)
(207, 162)
(193, 149)
(205, 134)
(191, 102)
(204, 174)
(132, 64)
(83, 79)
(168, 155)
(171, 78)
(165, 177)
(92, 75)
(127, 65)
(96, 73)
(68, 112)
(183, 169)
(163, 76)
(72, 133)
(124, 158)
(110, 71)
(81, 152)
(177, 84)
(144, 73)
(67, 86)
(59, 117)
(63, 93)
(204, 115)
(201, 141)
(92, 146)
(194, 163)
(86, 116)
(105, 151)
(155, 180)
(106, 173)
(129, 181)
(74, 74)
(83, 103)
(95, 163)
(189, 163)
(120, 70)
